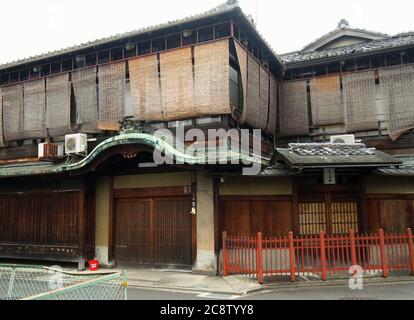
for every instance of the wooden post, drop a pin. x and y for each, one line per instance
(383, 254)
(323, 256)
(292, 257)
(353, 248)
(259, 262)
(224, 253)
(411, 249)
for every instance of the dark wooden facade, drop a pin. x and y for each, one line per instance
(49, 224)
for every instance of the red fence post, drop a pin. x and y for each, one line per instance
(383, 254)
(259, 262)
(224, 258)
(323, 256)
(292, 257)
(353, 248)
(411, 249)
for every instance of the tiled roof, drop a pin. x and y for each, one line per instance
(328, 149)
(324, 155)
(226, 7)
(401, 40)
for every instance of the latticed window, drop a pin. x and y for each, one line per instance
(332, 213)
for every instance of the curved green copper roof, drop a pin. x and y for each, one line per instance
(152, 141)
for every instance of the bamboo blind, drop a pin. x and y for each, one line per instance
(326, 97)
(177, 88)
(294, 116)
(253, 93)
(58, 105)
(242, 58)
(13, 112)
(112, 88)
(264, 98)
(272, 124)
(34, 106)
(212, 73)
(1, 119)
(145, 88)
(359, 99)
(397, 86)
(85, 90)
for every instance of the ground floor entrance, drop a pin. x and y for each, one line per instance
(153, 231)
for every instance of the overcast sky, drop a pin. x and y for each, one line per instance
(33, 27)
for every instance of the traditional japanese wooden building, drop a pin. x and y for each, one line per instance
(105, 198)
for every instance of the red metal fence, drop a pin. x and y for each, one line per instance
(323, 256)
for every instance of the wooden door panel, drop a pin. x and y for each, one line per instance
(173, 232)
(133, 236)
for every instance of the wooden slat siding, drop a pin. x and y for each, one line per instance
(177, 86)
(326, 97)
(272, 123)
(393, 213)
(58, 105)
(397, 86)
(242, 58)
(133, 232)
(248, 215)
(40, 219)
(13, 112)
(253, 93)
(172, 230)
(145, 88)
(86, 99)
(211, 78)
(293, 113)
(359, 99)
(34, 109)
(112, 89)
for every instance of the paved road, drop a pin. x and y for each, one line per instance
(388, 291)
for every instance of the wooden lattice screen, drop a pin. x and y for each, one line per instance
(397, 86)
(211, 72)
(294, 116)
(85, 91)
(58, 105)
(359, 99)
(326, 97)
(177, 87)
(145, 88)
(112, 89)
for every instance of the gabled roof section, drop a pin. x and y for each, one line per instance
(343, 31)
(360, 49)
(227, 7)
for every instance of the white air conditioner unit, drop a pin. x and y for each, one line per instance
(343, 139)
(76, 143)
(50, 150)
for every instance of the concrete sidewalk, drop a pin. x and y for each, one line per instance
(186, 281)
